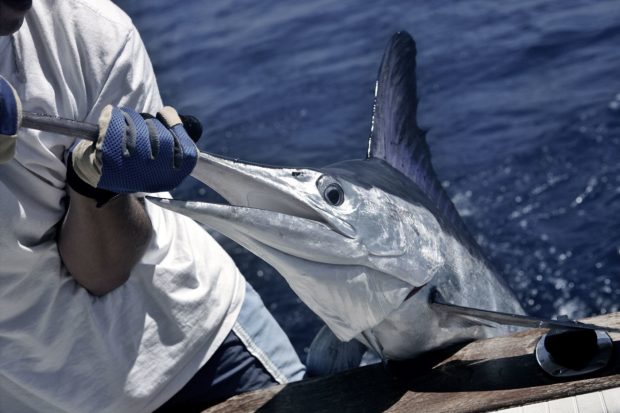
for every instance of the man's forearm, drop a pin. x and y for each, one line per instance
(100, 246)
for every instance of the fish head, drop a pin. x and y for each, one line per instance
(333, 215)
(355, 239)
(351, 250)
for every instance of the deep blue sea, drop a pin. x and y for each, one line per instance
(521, 100)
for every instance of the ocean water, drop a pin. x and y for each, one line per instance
(521, 100)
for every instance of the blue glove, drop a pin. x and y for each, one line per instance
(10, 119)
(134, 154)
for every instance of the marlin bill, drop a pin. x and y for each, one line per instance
(364, 243)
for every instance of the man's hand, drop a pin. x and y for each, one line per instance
(10, 119)
(134, 154)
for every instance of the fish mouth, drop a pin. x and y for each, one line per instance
(271, 207)
(254, 228)
(285, 191)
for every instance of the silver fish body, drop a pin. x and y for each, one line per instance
(363, 243)
(365, 266)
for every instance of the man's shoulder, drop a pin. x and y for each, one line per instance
(101, 9)
(86, 15)
(76, 48)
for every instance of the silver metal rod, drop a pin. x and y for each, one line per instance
(437, 302)
(62, 126)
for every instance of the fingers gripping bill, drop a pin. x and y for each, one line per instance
(10, 119)
(134, 154)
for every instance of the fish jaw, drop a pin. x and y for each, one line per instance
(291, 191)
(295, 236)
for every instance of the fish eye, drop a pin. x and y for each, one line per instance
(334, 194)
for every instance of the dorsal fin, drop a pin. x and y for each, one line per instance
(395, 136)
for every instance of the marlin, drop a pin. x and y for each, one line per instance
(364, 243)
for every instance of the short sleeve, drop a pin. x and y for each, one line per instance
(131, 81)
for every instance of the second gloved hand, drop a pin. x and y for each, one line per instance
(134, 154)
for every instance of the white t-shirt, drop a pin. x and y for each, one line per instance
(61, 349)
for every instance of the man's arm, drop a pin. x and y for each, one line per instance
(100, 246)
(106, 229)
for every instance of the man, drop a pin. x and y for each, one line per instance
(108, 303)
